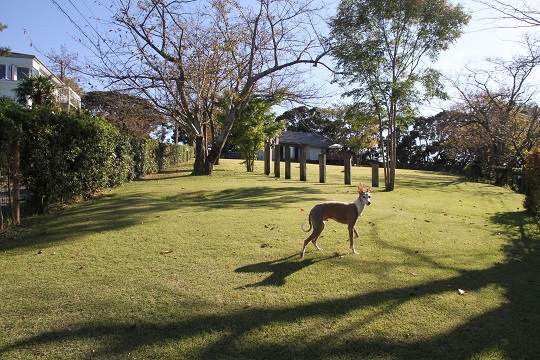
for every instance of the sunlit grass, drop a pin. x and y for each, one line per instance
(207, 267)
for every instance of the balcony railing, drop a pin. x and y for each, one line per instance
(68, 97)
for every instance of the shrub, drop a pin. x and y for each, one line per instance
(145, 156)
(532, 182)
(473, 171)
(66, 156)
(69, 156)
(170, 155)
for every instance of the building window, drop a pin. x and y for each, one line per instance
(3, 71)
(24, 73)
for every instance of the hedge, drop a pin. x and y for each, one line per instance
(68, 156)
(532, 182)
(496, 175)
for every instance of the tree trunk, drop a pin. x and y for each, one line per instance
(392, 147)
(16, 206)
(200, 157)
(204, 159)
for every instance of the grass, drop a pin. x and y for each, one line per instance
(208, 268)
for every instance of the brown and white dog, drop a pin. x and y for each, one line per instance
(345, 213)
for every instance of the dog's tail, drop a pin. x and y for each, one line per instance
(310, 226)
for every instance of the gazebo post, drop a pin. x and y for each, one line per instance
(322, 168)
(287, 162)
(267, 157)
(277, 158)
(348, 167)
(303, 166)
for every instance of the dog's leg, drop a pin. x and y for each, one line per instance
(351, 238)
(315, 243)
(313, 238)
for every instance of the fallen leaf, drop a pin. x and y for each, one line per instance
(247, 306)
(40, 252)
(166, 252)
(414, 274)
(461, 291)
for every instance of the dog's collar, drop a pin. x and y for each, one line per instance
(359, 206)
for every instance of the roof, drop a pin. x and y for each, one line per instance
(304, 138)
(46, 70)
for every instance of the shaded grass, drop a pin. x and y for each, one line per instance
(208, 268)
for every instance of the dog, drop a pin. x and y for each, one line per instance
(345, 213)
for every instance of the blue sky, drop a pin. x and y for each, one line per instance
(38, 26)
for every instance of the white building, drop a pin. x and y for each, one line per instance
(15, 67)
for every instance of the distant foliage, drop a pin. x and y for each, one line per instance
(532, 181)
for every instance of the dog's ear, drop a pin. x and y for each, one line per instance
(369, 190)
(360, 188)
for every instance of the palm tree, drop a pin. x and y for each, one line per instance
(39, 89)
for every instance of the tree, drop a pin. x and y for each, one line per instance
(65, 66)
(340, 123)
(524, 13)
(4, 50)
(184, 56)
(305, 119)
(422, 144)
(38, 92)
(497, 119)
(255, 124)
(131, 114)
(380, 46)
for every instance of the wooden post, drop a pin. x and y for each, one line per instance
(277, 161)
(375, 175)
(303, 166)
(287, 162)
(322, 168)
(348, 167)
(267, 157)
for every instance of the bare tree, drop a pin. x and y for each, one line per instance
(498, 109)
(524, 12)
(188, 56)
(66, 65)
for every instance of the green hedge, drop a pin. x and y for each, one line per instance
(532, 182)
(69, 156)
(496, 175)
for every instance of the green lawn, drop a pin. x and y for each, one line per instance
(188, 267)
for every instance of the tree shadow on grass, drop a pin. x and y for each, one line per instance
(243, 198)
(112, 212)
(507, 331)
(280, 269)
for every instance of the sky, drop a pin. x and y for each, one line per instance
(38, 26)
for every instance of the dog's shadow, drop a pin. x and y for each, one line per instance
(279, 269)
